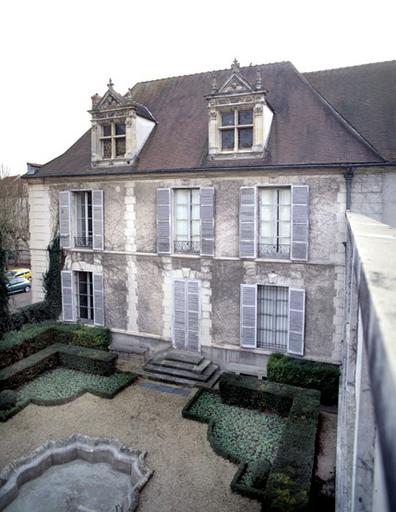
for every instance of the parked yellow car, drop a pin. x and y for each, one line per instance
(26, 273)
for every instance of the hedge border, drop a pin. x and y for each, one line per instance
(82, 359)
(36, 337)
(307, 374)
(303, 413)
(7, 414)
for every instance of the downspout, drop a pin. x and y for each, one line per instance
(348, 175)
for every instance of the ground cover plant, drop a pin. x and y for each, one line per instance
(275, 470)
(62, 385)
(242, 435)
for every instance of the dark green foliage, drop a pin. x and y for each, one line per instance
(33, 313)
(52, 279)
(306, 374)
(16, 345)
(4, 311)
(77, 358)
(245, 391)
(245, 437)
(60, 386)
(8, 399)
(286, 485)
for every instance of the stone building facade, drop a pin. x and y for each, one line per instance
(207, 212)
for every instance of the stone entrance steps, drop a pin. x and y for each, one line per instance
(183, 368)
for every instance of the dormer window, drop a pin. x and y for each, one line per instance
(239, 118)
(236, 130)
(113, 140)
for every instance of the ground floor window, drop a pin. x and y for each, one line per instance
(84, 296)
(272, 317)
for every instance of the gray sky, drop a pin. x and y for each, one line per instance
(55, 54)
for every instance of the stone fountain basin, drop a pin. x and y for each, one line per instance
(78, 474)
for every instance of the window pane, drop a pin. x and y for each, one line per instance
(245, 137)
(227, 139)
(182, 196)
(182, 212)
(182, 230)
(266, 195)
(120, 129)
(266, 212)
(227, 118)
(195, 212)
(245, 117)
(195, 234)
(120, 146)
(106, 144)
(106, 130)
(284, 196)
(284, 213)
(284, 230)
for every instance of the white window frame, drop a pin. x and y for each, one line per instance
(112, 137)
(236, 126)
(186, 280)
(90, 299)
(76, 217)
(275, 220)
(173, 222)
(273, 348)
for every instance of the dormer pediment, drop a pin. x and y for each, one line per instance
(111, 99)
(235, 84)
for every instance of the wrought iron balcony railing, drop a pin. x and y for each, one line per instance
(84, 242)
(187, 246)
(273, 251)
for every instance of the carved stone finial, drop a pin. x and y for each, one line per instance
(259, 83)
(129, 93)
(95, 99)
(110, 84)
(214, 86)
(235, 66)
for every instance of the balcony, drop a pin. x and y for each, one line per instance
(83, 242)
(276, 251)
(187, 246)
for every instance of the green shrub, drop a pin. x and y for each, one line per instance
(33, 313)
(250, 392)
(306, 374)
(16, 345)
(8, 399)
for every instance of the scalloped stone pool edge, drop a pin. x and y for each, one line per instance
(127, 460)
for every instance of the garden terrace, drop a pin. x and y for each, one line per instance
(269, 429)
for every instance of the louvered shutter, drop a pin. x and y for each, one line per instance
(247, 222)
(163, 220)
(67, 296)
(207, 221)
(64, 219)
(192, 341)
(300, 220)
(97, 219)
(295, 341)
(98, 299)
(248, 315)
(179, 312)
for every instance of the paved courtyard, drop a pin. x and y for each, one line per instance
(188, 476)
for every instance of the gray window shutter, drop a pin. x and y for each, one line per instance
(248, 315)
(295, 340)
(97, 220)
(163, 220)
(67, 296)
(207, 221)
(300, 219)
(98, 299)
(192, 342)
(179, 312)
(64, 219)
(247, 222)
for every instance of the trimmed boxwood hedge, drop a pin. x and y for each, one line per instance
(286, 485)
(16, 345)
(30, 314)
(306, 374)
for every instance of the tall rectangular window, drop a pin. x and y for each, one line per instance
(272, 317)
(84, 296)
(187, 220)
(83, 219)
(274, 222)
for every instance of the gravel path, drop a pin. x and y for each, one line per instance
(189, 476)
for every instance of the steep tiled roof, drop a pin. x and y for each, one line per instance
(366, 96)
(305, 130)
